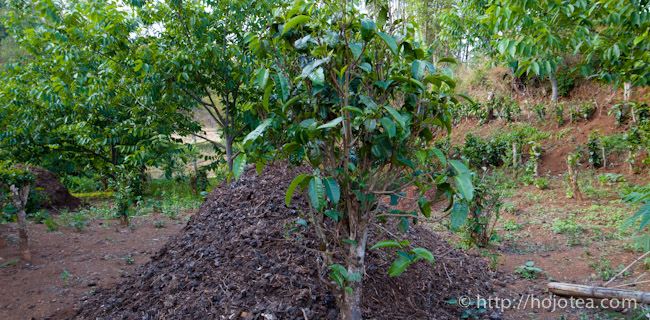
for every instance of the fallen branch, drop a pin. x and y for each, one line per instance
(630, 265)
(576, 290)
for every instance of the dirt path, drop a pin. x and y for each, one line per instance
(68, 264)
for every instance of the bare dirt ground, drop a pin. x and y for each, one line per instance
(69, 264)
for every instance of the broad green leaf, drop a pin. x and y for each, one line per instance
(421, 253)
(390, 42)
(332, 214)
(267, 95)
(257, 132)
(440, 155)
(458, 215)
(463, 180)
(396, 115)
(331, 124)
(294, 22)
(238, 165)
(448, 60)
(259, 166)
(317, 193)
(353, 109)
(386, 244)
(292, 187)
(398, 267)
(425, 208)
(333, 190)
(417, 69)
(283, 84)
(352, 242)
(356, 48)
(368, 27)
(262, 77)
(466, 97)
(389, 126)
(318, 76)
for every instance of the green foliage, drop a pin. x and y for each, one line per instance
(483, 214)
(604, 269)
(565, 82)
(640, 195)
(331, 95)
(594, 149)
(610, 178)
(76, 220)
(82, 184)
(528, 271)
(587, 110)
(511, 225)
(621, 113)
(540, 111)
(558, 111)
(566, 226)
(51, 224)
(128, 259)
(541, 183)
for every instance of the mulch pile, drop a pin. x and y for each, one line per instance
(232, 261)
(58, 196)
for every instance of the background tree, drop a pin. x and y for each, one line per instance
(360, 104)
(72, 102)
(202, 53)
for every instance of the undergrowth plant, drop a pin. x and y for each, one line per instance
(595, 149)
(558, 112)
(540, 111)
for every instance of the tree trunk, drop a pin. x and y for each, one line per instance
(351, 304)
(627, 91)
(20, 201)
(514, 155)
(229, 158)
(604, 157)
(630, 161)
(554, 89)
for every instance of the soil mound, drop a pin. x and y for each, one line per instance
(58, 197)
(233, 261)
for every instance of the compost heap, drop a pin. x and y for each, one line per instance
(232, 260)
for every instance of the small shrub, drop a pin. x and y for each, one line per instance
(610, 178)
(528, 271)
(510, 207)
(542, 183)
(587, 110)
(159, 224)
(51, 224)
(566, 226)
(594, 149)
(128, 259)
(558, 111)
(540, 111)
(621, 113)
(511, 225)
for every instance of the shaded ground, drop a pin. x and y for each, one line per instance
(68, 264)
(234, 260)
